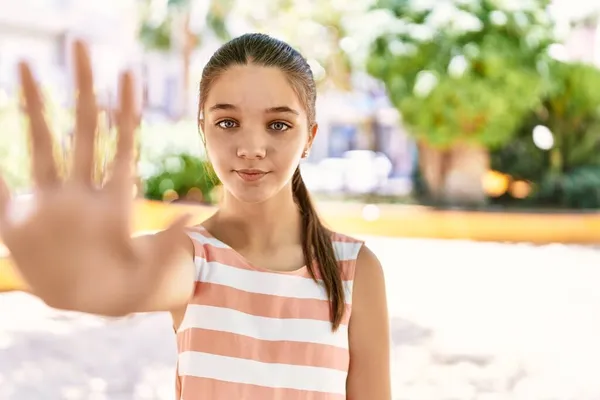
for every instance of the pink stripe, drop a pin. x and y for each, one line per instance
(280, 352)
(194, 388)
(263, 305)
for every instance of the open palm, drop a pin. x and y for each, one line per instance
(74, 249)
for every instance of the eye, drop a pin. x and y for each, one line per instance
(227, 124)
(279, 126)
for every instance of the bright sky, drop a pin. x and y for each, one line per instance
(574, 8)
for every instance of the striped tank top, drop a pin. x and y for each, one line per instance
(255, 334)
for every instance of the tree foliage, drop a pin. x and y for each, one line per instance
(330, 34)
(571, 110)
(462, 71)
(567, 174)
(161, 22)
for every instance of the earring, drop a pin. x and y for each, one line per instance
(305, 154)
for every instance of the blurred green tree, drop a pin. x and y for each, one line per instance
(558, 146)
(173, 26)
(571, 111)
(330, 34)
(463, 74)
(182, 177)
(15, 155)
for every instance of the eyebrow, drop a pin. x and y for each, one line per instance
(272, 110)
(222, 106)
(282, 109)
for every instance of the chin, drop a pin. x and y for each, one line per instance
(252, 196)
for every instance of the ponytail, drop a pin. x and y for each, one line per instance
(317, 246)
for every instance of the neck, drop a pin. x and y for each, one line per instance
(274, 222)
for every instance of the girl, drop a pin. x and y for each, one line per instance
(266, 302)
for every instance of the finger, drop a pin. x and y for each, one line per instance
(86, 120)
(42, 157)
(122, 174)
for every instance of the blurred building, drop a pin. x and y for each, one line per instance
(582, 42)
(41, 31)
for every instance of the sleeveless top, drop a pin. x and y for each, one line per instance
(256, 334)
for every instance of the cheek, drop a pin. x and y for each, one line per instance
(290, 146)
(292, 150)
(289, 155)
(216, 147)
(218, 155)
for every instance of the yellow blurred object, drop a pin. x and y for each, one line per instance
(170, 195)
(194, 194)
(520, 189)
(495, 183)
(9, 279)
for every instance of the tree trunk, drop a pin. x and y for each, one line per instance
(454, 176)
(463, 182)
(432, 163)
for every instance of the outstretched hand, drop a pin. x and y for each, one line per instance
(74, 248)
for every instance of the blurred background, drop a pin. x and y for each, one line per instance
(459, 138)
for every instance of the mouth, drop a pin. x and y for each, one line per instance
(251, 175)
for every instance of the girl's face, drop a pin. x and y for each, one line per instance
(256, 131)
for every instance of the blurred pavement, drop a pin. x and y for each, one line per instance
(478, 321)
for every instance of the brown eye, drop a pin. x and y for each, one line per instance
(279, 126)
(226, 124)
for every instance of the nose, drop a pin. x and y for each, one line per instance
(252, 147)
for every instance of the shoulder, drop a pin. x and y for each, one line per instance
(346, 247)
(198, 238)
(369, 271)
(356, 249)
(366, 268)
(369, 294)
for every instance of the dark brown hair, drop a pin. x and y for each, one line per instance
(263, 50)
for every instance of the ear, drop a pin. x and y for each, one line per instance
(311, 136)
(312, 133)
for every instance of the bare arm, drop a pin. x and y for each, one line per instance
(176, 285)
(369, 375)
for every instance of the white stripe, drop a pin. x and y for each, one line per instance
(252, 372)
(346, 250)
(264, 328)
(262, 282)
(199, 263)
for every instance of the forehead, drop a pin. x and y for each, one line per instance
(252, 87)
